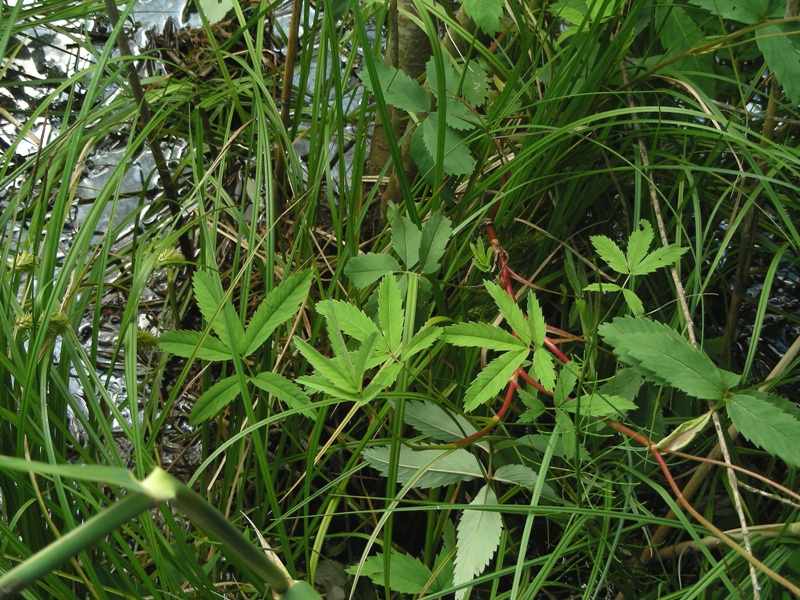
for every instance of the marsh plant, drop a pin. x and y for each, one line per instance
(408, 299)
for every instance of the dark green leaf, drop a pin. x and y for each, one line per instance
(407, 575)
(188, 344)
(493, 378)
(510, 310)
(435, 235)
(406, 238)
(598, 405)
(748, 12)
(286, 391)
(536, 323)
(482, 335)
(399, 89)
(217, 397)
(390, 313)
(781, 50)
(365, 269)
(457, 159)
(432, 420)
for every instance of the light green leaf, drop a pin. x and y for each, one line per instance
(435, 235)
(350, 320)
(407, 575)
(286, 391)
(80, 472)
(385, 377)
(565, 383)
(684, 433)
(399, 89)
(610, 252)
(442, 425)
(598, 405)
(438, 467)
(457, 157)
(633, 302)
(320, 384)
(534, 408)
(217, 397)
(479, 534)
(543, 370)
(390, 313)
(326, 368)
(209, 298)
(422, 340)
(605, 288)
(406, 237)
(281, 303)
(510, 310)
(493, 378)
(193, 343)
(482, 335)
(748, 12)
(769, 422)
(657, 259)
(475, 89)
(639, 243)
(366, 356)
(365, 269)
(485, 13)
(782, 53)
(536, 322)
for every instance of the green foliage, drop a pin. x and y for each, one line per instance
(478, 536)
(770, 422)
(485, 13)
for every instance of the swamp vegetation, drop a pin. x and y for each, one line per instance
(400, 299)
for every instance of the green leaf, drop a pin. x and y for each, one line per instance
(534, 408)
(209, 298)
(286, 391)
(536, 322)
(479, 534)
(482, 335)
(193, 343)
(604, 288)
(457, 157)
(610, 252)
(516, 475)
(320, 384)
(365, 269)
(442, 425)
(407, 575)
(748, 12)
(633, 302)
(769, 422)
(659, 352)
(543, 370)
(435, 235)
(511, 311)
(598, 405)
(406, 237)
(422, 340)
(485, 13)
(438, 467)
(475, 89)
(390, 313)
(385, 377)
(80, 472)
(399, 89)
(350, 320)
(657, 259)
(684, 433)
(493, 378)
(281, 303)
(326, 368)
(565, 383)
(782, 53)
(217, 397)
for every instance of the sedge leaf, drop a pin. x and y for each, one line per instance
(493, 378)
(217, 397)
(769, 422)
(365, 269)
(479, 532)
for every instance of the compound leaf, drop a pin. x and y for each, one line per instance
(610, 252)
(217, 397)
(481, 335)
(493, 378)
(194, 343)
(432, 420)
(286, 391)
(511, 312)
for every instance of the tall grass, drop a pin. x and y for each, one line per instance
(558, 161)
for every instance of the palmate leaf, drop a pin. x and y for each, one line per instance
(406, 237)
(477, 539)
(610, 252)
(657, 259)
(769, 422)
(661, 354)
(438, 467)
(286, 391)
(493, 378)
(365, 269)
(510, 310)
(432, 420)
(217, 397)
(435, 235)
(326, 368)
(390, 313)
(543, 370)
(481, 335)
(280, 304)
(208, 296)
(193, 343)
(536, 323)
(598, 405)
(639, 244)
(351, 320)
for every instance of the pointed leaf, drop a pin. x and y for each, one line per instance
(407, 575)
(320, 384)
(769, 422)
(684, 433)
(281, 304)
(422, 340)
(479, 534)
(543, 370)
(510, 310)
(385, 377)
(406, 238)
(365, 269)
(193, 343)
(743, 11)
(493, 378)
(598, 405)
(638, 244)
(610, 252)
(442, 425)
(476, 83)
(217, 397)
(536, 322)
(351, 320)
(286, 391)
(657, 259)
(435, 235)
(633, 302)
(605, 288)
(782, 53)
(390, 313)
(399, 89)
(457, 157)
(481, 335)
(326, 368)
(485, 13)
(209, 298)
(438, 467)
